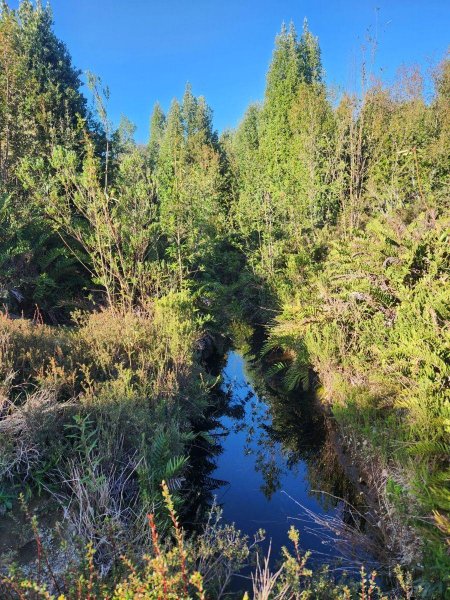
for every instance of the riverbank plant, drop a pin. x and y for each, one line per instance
(186, 568)
(97, 414)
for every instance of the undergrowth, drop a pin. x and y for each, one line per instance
(185, 568)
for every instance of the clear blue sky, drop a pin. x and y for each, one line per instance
(146, 50)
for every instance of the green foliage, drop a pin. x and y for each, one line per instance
(283, 157)
(91, 409)
(331, 213)
(40, 106)
(374, 319)
(36, 268)
(111, 232)
(157, 124)
(189, 186)
(182, 570)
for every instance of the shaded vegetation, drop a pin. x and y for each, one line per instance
(326, 218)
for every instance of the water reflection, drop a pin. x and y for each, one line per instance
(263, 452)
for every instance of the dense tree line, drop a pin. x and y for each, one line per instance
(332, 212)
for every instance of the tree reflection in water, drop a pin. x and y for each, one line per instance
(255, 442)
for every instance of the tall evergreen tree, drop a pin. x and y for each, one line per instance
(40, 105)
(281, 199)
(157, 124)
(189, 111)
(189, 182)
(309, 56)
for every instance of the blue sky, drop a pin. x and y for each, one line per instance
(146, 50)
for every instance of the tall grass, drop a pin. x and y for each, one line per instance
(98, 413)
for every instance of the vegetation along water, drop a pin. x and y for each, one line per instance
(211, 335)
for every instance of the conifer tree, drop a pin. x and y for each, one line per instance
(189, 183)
(189, 111)
(295, 124)
(310, 57)
(157, 124)
(40, 105)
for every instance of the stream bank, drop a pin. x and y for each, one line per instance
(271, 461)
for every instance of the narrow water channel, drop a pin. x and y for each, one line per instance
(268, 459)
(273, 464)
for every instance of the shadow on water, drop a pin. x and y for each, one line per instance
(270, 461)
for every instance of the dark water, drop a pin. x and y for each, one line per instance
(266, 477)
(271, 463)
